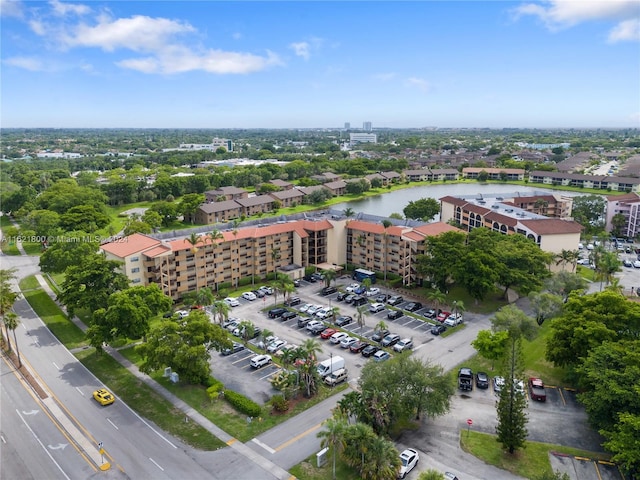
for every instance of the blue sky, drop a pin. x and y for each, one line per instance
(305, 64)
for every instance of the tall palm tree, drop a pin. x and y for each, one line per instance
(361, 316)
(204, 297)
(194, 239)
(220, 310)
(383, 460)
(349, 212)
(11, 322)
(333, 438)
(437, 298)
(358, 436)
(329, 276)
(275, 256)
(457, 306)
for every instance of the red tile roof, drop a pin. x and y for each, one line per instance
(126, 246)
(436, 228)
(552, 226)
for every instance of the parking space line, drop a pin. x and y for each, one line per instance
(595, 464)
(564, 403)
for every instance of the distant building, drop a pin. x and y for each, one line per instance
(366, 126)
(355, 138)
(213, 146)
(347, 125)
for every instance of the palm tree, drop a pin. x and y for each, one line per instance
(381, 325)
(383, 460)
(615, 286)
(193, 240)
(457, 306)
(437, 298)
(204, 297)
(333, 438)
(349, 212)
(361, 316)
(220, 310)
(11, 322)
(329, 276)
(275, 256)
(358, 436)
(247, 329)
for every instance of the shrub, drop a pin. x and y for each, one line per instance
(214, 388)
(279, 403)
(244, 281)
(242, 404)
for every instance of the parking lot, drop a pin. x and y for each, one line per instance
(236, 373)
(579, 468)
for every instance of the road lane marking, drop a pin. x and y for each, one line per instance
(263, 445)
(57, 367)
(80, 391)
(43, 447)
(114, 425)
(298, 437)
(156, 464)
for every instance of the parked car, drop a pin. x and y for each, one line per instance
(305, 307)
(382, 298)
(390, 340)
(409, 458)
(290, 302)
(453, 320)
(536, 390)
(404, 344)
(276, 312)
(103, 397)
(442, 316)
(347, 341)
(232, 325)
(359, 300)
(328, 290)
(235, 348)
(358, 346)
(276, 345)
(182, 314)
(338, 337)
(352, 287)
(341, 296)
(315, 327)
(229, 321)
(310, 279)
(369, 350)
(498, 384)
(232, 301)
(378, 335)
(373, 291)
(336, 377)
(381, 356)
(482, 380)
(313, 309)
(259, 293)
(303, 321)
(438, 329)
(413, 307)
(636, 264)
(317, 276)
(376, 307)
(431, 313)
(450, 476)
(296, 282)
(627, 263)
(395, 300)
(266, 289)
(260, 361)
(249, 296)
(289, 315)
(360, 290)
(394, 314)
(343, 320)
(327, 332)
(324, 312)
(349, 298)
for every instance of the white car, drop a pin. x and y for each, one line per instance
(338, 337)
(324, 312)
(273, 347)
(372, 292)
(453, 320)
(409, 458)
(260, 361)
(376, 307)
(404, 344)
(266, 290)
(346, 342)
(305, 307)
(313, 309)
(352, 287)
(636, 264)
(182, 314)
(232, 301)
(249, 296)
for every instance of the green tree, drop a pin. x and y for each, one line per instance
(523, 265)
(152, 218)
(357, 437)
(86, 218)
(361, 316)
(383, 460)
(189, 204)
(333, 438)
(431, 475)
(491, 345)
(424, 209)
(308, 368)
(90, 284)
(220, 310)
(74, 249)
(11, 322)
(563, 283)
(44, 223)
(445, 249)
(329, 276)
(618, 222)
(167, 210)
(589, 211)
(545, 305)
(185, 346)
(623, 443)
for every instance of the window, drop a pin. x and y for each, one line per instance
(135, 259)
(135, 270)
(135, 280)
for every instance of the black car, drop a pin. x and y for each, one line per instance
(288, 316)
(438, 329)
(296, 282)
(379, 335)
(349, 298)
(235, 348)
(359, 346)
(277, 312)
(343, 320)
(431, 313)
(328, 291)
(359, 300)
(482, 380)
(413, 307)
(341, 296)
(318, 329)
(310, 279)
(292, 301)
(394, 314)
(382, 298)
(302, 321)
(369, 350)
(258, 293)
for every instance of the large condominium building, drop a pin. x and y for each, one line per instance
(355, 138)
(628, 206)
(251, 253)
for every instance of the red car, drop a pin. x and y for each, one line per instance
(536, 390)
(327, 333)
(442, 316)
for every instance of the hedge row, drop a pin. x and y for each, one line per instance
(242, 403)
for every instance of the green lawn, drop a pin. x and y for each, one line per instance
(145, 401)
(64, 330)
(529, 462)
(307, 470)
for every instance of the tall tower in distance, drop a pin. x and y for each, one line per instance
(347, 125)
(366, 126)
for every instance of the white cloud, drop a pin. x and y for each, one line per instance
(629, 30)
(11, 8)
(236, 35)
(301, 49)
(62, 9)
(28, 63)
(419, 83)
(559, 14)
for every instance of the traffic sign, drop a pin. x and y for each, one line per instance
(469, 421)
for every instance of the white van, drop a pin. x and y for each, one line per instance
(330, 365)
(336, 377)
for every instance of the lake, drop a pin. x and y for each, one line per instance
(393, 202)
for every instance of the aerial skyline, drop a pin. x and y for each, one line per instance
(276, 64)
